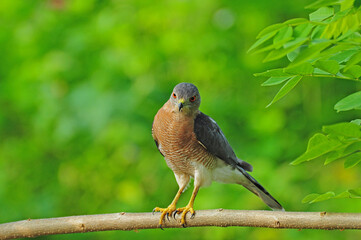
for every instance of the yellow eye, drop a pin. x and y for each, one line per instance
(192, 99)
(174, 95)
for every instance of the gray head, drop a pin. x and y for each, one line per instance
(185, 97)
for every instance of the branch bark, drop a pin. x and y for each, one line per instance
(217, 217)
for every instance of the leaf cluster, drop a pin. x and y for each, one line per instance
(341, 141)
(327, 44)
(338, 141)
(315, 197)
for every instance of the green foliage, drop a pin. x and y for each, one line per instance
(350, 102)
(315, 197)
(327, 44)
(312, 198)
(339, 141)
(291, 83)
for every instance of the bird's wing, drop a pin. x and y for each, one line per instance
(155, 139)
(210, 135)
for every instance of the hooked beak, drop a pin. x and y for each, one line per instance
(180, 106)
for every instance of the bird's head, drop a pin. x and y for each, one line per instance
(185, 98)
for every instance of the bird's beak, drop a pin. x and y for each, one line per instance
(180, 104)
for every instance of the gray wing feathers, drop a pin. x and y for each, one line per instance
(245, 165)
(212, 138)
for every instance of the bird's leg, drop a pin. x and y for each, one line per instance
(170, 209)
(189, 207)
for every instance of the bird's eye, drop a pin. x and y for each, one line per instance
(174, 95)
(192, 99)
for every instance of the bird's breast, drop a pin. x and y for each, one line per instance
(178, 143)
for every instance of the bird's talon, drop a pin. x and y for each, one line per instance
(175, 213)
(165, 212)
(160, 226)
(184, 212)
(184, 225)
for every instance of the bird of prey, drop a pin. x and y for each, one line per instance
(194, 146)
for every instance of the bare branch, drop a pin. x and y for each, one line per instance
(219, 217)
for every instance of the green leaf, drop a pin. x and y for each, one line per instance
(331, 30)
(335, 50)
(288, 86)
(356, 121)
(354, 71)
(317, 32)
(343, 56)
(310, 52)
(353, 60)
(352, 101)
(275, 80)
(269, 29)
(289, 47)
(297, 49)
(272, 46)
(303, 30)
(284, 33)
(321, 72)
(292, 55)
(277, 72)
(353, 147)
(321, 14)
(355, 192)
(330, 66)
(333, 156)
(302, 69)
(296, 42)
(340, 15)
(346, 4)
(310, 197)
(323, 197)
(352, 22)
(322, 3)
(262, 40)
(318, 145)
(345, 34)
(338, 154)
(275, 54)
(352, 160)
(345, 194)
(315, 197)
(345, 129)
(296, 21)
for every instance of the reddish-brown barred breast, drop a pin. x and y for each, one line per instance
(177, 141)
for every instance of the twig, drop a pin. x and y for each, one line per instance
(219, 217)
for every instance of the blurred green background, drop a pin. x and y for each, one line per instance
(80, 83)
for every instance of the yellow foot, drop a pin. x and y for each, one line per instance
(184, 211)
(164, 212)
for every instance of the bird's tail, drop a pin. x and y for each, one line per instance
(260, 191)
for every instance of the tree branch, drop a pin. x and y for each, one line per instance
(219, 217)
